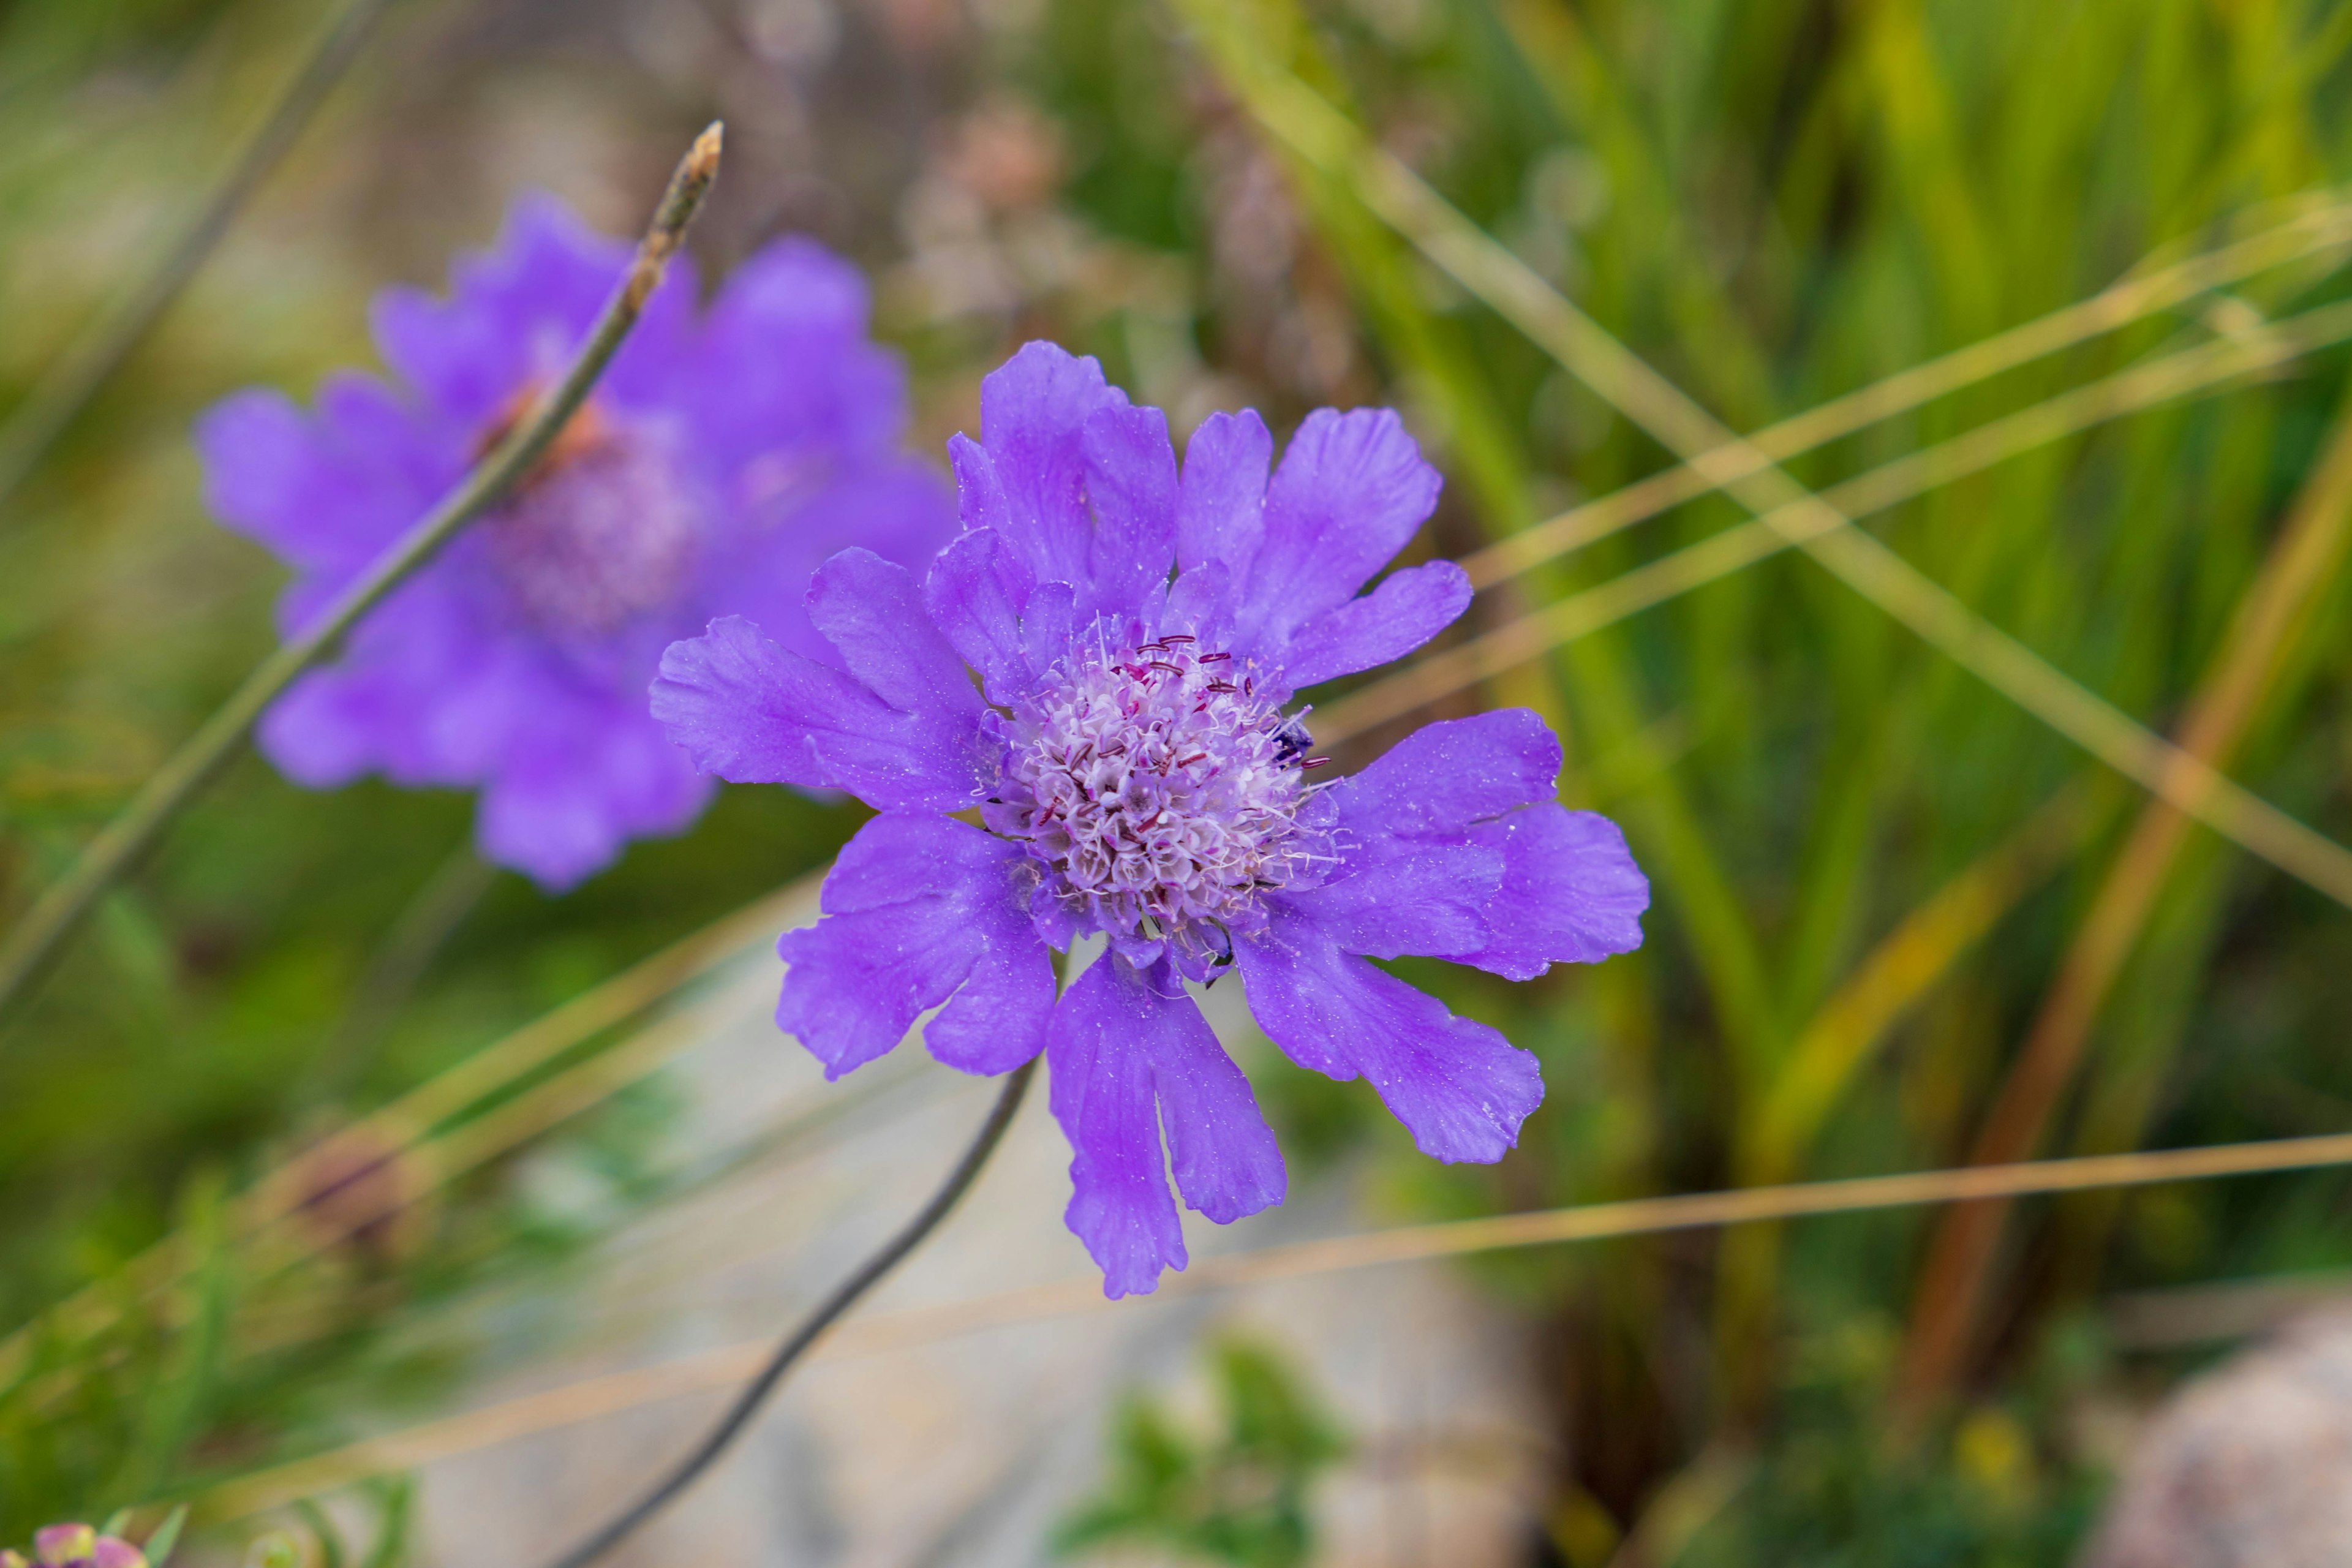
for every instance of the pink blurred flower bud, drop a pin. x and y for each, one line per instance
(59, 1544)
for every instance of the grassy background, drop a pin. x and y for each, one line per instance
(1773, 202)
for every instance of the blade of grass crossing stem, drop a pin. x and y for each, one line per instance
(37, 937)
(2303, 562)
(1294, 114)
(2201, 369)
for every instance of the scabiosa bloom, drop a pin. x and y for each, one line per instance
(1130, 750)
(724, 455)
(76, 1546)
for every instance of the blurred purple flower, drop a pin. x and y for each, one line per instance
(76, 1546)
(722, 457)
(1128, 749)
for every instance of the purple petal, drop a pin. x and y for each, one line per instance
(1048, 623)
(1394, 895)
(786, 365)
(1419, 868)
(1032, 410)
(980, 493)
(1131, 489)
(760, 558)
(1220, 505)
(326, 492)
(920, 911)
(113, 1551)
(516, 314)
(1570, 892)
(1447, 776)
(872, 610)
(1351, 491)
(1099, 1051)
(574, 787)
(1227, 1163)
(1405, 611)
(1458, 1086)
(973, 594)
(748, 710)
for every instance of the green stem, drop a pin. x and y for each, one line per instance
(28, 948)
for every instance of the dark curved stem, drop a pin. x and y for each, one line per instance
(35, 939)
(796, 1344)
(75, 378)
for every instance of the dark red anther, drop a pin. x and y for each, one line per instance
(1195, 757)
(1221, 686)
(1171, 669)
(1312, 762)
(1177, 637)
(1215, 657)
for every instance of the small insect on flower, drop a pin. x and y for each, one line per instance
(1137, 635)
(725, 453)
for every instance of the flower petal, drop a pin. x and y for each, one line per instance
(1032, 410)
(1221, 502)
(1570, 892)
(512, 314)
(1100, 1051)
(1458, 1086)
(872, 610)
(325, 493)
(578, 782)
(920, 911)
(1132, 492)
(1405, 611)
(786, 365)
(750, 712)
(973, 594)
(1225, 1160)
(1351, 491)
(1447, 776)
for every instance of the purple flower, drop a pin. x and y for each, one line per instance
(1129, 750)
(722, 457)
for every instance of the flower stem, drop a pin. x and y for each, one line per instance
(35, 939)
(35, 424)
(796, 1344)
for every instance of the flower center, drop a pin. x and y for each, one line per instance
(600, 532)
(1162, 793)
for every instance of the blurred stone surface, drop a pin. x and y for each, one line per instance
(964, 1451)
(2249, 1467)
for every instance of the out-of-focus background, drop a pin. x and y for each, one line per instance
(1898, 920)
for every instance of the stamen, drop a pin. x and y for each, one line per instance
(1162, 798)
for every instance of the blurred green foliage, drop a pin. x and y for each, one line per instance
(1239, 1495)
(1773, 201)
